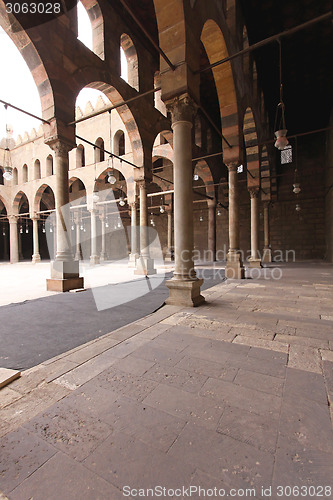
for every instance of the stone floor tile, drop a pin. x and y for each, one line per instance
(264, 343)
(307, 422)
(257, 430)
(64, 478)
(308, 385)
(300, 465)
(176, 377)
(21, 453)
(203, 482)
(260, 382)
(297, 339)
(259, 333)
(25, 408)
(232, 461)
(82, 355)
(257, 352)
(185, 405)
(208, 368)
(153, 331)
(328, 376)
(326, 355)
(126, 384)
(135, 366)
(154, 427)
(304, 358)
(8, 396)
(267, 366)
(69, 430)
(126, 461)
(80, 375)
(243, 398)
(158, 354)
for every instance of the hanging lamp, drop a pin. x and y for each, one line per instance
(280, 122)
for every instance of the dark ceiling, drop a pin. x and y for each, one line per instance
(307, 58)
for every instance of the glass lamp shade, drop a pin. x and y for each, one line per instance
(297, 188)
(195, 177)
(162, 209)
(8, 174)
(121, 201)
(112, 179)
(281, 139)
(298, 208)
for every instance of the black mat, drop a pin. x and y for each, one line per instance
(36, 330)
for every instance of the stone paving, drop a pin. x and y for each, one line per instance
(234, 395)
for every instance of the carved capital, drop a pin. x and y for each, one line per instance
(254, 192)
(182, 108)
(12, 219)
(232, 166)
(60, 148)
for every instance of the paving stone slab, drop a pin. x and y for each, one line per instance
(126, 384)
(298, 465)
(8, 396)
(257, 430)
(328, 376)
(185, 405)
(307, 422)
(308, 385)
(133, 365)
(304, 358)
(25, 408)
(257, 352)
(260, 382)
(158, 354)
(297, 339)
(208, 368)
(221, 456)
(126, 461)
(264, 343)
(176, 377)
(76, 482)
(69, 429)
(7, 376)
(21, 454)
(243, 398)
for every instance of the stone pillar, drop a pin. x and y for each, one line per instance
(234, 268)
(184, 287)
(212, 229)
(5, 246)
(36, 255)
(254, 260)
(78, 237)
(133, 256)
(144, 264)
(103, 255)
(64, 270)
(13, 241)
(168, 255)
(94, 258)
(267, 253)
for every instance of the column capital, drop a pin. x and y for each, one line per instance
(232, 166)
(182, 108)
(60, 147)
(254, 192)
(12, 219)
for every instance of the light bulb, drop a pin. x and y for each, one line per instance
(195, 177)
(121, 201)
(112, 179)
(219, 212)
(200, 218)
(298, 208)
(162, 209)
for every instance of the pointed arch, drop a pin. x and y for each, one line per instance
(127, 45)
(216, 49)
(97, 24)
(45, 193)
(49, 166)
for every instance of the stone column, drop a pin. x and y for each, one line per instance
(267, 253)
(64, 270)
(5, 246)
(168, 255)
(78, 237)
(144, 264)
(103, 255)
(36, 255)
(94, 257)
(234, 268)
(13, 235)
(212, 229)
(184, 287)
(134, 236)
(254, 260)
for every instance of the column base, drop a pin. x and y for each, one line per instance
(132, 258)
(234, 268)
(35, 258)
(63, 285)
(169, 257)
(94, 259)
(77, 257)
(254, 263)
(184, 293)
(267, 255)
(103, 257)
(144, 266)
